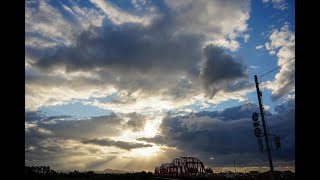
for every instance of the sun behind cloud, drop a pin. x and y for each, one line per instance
(148, 152)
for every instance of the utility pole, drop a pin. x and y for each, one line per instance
(264, 125)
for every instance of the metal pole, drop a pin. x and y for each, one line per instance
(264, 125)
(234, 164)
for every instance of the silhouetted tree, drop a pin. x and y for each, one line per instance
(208, 170)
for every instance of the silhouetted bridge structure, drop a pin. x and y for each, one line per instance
(180, 167)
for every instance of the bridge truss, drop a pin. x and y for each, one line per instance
(182, 166)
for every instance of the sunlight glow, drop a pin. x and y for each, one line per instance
(151, 127)
(150, 130)
(143, 152)
(146, 152)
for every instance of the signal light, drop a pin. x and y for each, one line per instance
(255, 116)
(277, 142)
(257, 132)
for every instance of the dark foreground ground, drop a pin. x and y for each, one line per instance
(35, 173)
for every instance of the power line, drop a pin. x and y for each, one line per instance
(277, 67)
(267, 66)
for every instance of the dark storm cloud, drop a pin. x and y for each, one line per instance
(220, 136)
(36, 116)
(219, 69)
(239, 85)
(119, 144)
(31, 116)
(233, 113)
(128, 46)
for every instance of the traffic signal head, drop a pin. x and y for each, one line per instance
(277, 142)
(255, 116)
(257, 132)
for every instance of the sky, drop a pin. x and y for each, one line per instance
(132, 84)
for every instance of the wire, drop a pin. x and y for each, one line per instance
(277, 67)
(266, 67)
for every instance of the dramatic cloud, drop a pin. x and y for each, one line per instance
(90, 128)
(283, 44)
(206, 134)
(219, 68)
(130, 85)
(57, 139)
(205, 16)
(124, 48)
(221, 134)
(119, 144)
(124, 53)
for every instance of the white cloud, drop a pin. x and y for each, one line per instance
(36, 42)
(239, 95)
(267, 45)
(254, 67)
(118, 16)
(282, 37)
(57, 90)
(272, 52)
(46, 21)
(86, 17)
(210, 18)
(266, 107)
(233, 45)
(278, 4)
(145, 105)
(282, 43)
(46, 26)
(259, 47)
(139, 4)
(246, 37)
